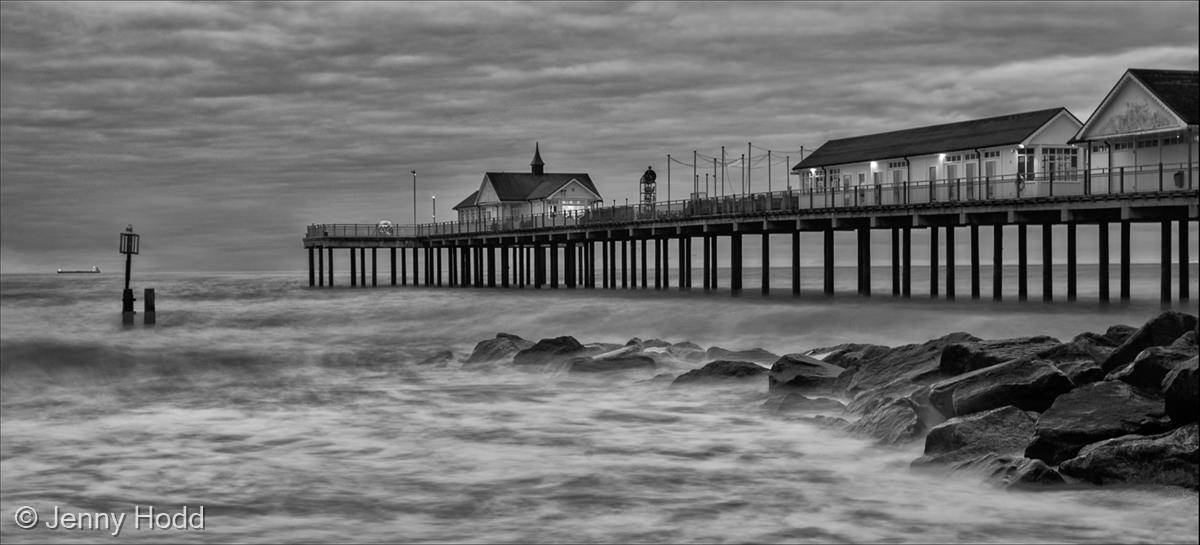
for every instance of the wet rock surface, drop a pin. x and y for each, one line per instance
(1162, 330)
(1006, 430)
(1093, 413)
(756, 355)
(502, 347)
(805, 373)
(548, 351)
(1028, 384)
(721, 371)
(1167, 458)
(1181, 393)
(969, 356)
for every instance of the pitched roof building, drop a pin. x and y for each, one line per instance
(504, 195)
(1028, 145)
(1145, 129)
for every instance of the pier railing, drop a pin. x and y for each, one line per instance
(1104, 181)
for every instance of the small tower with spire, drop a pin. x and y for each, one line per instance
(537, 166)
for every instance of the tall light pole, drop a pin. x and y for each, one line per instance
(435, 208)
(414, 173)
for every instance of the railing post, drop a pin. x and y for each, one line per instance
(1122, 179)
(1051, 182)
(1160, 176)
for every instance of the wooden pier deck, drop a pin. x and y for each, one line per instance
(538, 251)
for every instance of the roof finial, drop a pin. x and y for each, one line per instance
(538, 167)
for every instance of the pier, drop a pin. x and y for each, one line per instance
(657, 246)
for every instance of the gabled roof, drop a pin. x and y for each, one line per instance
(1179, 90)
(979, 133)
(524, 186)
(467, 202)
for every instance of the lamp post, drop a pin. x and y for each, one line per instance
(130, 244)
(435, 208)
(414, 174)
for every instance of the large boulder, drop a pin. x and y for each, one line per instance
(1169, 458)
(621, 362)
(1111, 338)
(892, 423)
(966, 357)
(1092, 413)
(1150, 367)
(756, 355)
(721, 371)
(1162, 330)
(1020, 472)
(797, 402)
(1079, 359)
(800, 372)
(502, 347)
(549, 350)
(1181, 390)
(880, 376)
(1028, 384)
(1005, 430)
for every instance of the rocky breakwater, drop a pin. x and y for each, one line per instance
(1113, 407)
(1118, 406)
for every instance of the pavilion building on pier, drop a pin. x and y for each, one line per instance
(505, 196)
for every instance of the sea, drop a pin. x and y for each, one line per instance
(284, 413)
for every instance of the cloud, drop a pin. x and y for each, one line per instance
(222, 129)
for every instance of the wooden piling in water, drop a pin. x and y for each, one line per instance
(1071, 263)
(735, 264)
(828, 249)
(997, 262)
(1184, 250)
(795, 263)
(1047, 262)
(1022, 264)
(1125, 260)
(1165, 263)
(906, 249)
(950, 293)
(933, 262)
(766, 264)
(975, 261)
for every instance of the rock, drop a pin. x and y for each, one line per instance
(800, 372)
(1186, 343)
(686, 352)
(756, 355)
(881, 376)
(892, 423)
(796, 402)
(1169, 458)
(1025, 473)
(965, 357)
(1181, 390)
(1092, 413)
(441, 358)
(1162, 330)
(1029, 384)
(1005, 430)
(502, 347)
(828, 422)
(1079, 359)
(622, 362)
(1111, 338)
(722, 370)
(548, 350)
(1150, 367)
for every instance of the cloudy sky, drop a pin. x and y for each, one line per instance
(220, 130)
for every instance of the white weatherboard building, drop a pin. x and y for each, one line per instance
(1149, 118)
(504, 196)
(960, 159)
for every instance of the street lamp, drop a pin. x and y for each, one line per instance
(414, 173)
(435, 208)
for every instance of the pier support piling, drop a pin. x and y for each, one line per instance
(553, 266)
(950, 262)
(1022, 264)
(766, 264)
(706, 264)
(1102, 265)
(975, 262)
(666, 263)
(331, 267)
(1047, 262)
(895, 261)
(933, 262)
(374, 268)
(1125, 260)
(906, 249)
(828, 250)
(320, 267)
(312, 268)
(1165, 263)
(1184, 251)
(997, 262)
(735, 264)
(1071, 263)
(353, 268)
(392, 268)
(795, 263)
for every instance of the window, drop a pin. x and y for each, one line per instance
(1060, 162)
(1122, 146)
(877, 177)
(1172, 141)
(1147, 143)
(1099, 148)
(897, 164)
(932, 173)
(862, 178)
(991, 154)
(1025, 162)
(897, 177)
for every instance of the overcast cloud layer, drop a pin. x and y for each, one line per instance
(221, 130)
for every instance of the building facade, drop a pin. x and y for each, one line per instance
(507, 196)
(1022, 149)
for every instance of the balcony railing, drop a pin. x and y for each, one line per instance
(1117, 180)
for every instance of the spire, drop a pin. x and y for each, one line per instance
(538, 167)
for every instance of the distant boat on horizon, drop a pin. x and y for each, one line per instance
(93, 270)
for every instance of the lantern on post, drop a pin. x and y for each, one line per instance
(130, 243)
